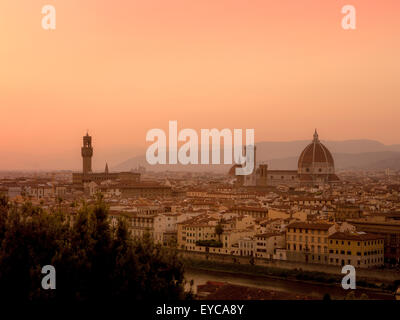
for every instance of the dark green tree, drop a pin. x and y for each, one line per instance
(93, 261)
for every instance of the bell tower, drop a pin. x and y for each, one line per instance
(87, 153)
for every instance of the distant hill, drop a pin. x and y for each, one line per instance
(348, 154)
(277, 150)
(365, 161)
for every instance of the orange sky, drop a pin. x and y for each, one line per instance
(120, 68)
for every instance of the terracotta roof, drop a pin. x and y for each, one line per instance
(312, 226)
(250, 209)
(309, 177)
(355, 236)
(268, 235)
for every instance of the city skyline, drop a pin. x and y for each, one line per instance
(270, 151)
(120, 71)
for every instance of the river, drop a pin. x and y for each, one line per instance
(303, 288)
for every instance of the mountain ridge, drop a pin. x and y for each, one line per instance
(363, 154)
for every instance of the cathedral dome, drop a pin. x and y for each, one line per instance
(316, 159)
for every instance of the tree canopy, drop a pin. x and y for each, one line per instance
(94, 261)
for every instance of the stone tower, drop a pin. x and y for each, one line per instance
(87, 153)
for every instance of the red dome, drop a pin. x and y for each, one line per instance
(315, 154)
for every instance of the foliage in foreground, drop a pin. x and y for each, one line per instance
(93, 261)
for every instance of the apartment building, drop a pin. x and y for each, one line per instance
(199, 228)
(266, 244)
(165, 228)
(308, 242)
(357, 249)
(40, 191)
(255, 212)
(209, 233)
(384, 227)
(246, 246)
(138, 224)
(347, 211)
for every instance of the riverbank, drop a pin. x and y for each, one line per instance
(327, 282)
(371, 278)
(288, 287)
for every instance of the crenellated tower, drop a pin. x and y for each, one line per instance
(87, 153)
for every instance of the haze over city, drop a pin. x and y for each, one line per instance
(119, 70)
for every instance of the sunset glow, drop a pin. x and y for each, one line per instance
(121, 68)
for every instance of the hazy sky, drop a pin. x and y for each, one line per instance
(120, 68)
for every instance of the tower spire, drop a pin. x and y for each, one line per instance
(106, 169)
(316, 135)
